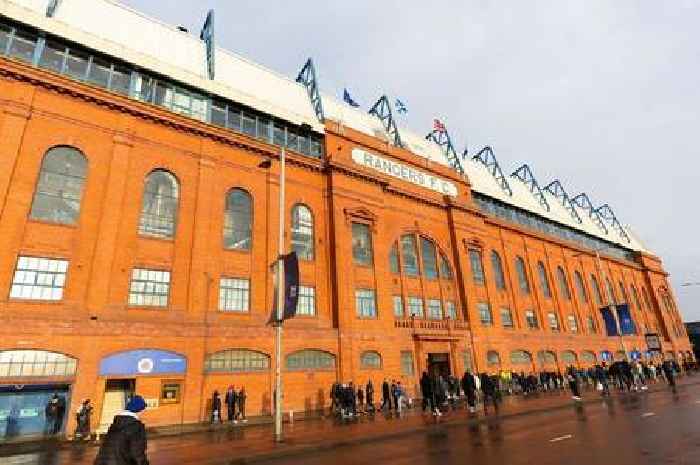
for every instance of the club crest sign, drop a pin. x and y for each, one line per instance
(404, 172)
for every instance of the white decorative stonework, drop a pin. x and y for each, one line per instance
(404, 172)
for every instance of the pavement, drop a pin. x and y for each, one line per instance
(415, 438)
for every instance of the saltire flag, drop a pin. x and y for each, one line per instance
(400, 107)
(609, 319)
(348, 99)
(625, 318)
(291, 287)
(438, 126)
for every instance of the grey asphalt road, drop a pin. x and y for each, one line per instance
(631, 429)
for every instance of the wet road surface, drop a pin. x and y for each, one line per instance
(630, 429)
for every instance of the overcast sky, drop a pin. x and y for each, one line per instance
(601, 94)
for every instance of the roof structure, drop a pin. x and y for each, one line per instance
(119, 31)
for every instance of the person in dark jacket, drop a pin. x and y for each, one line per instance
(369, 391)
(82, 416)
(426, 391)
(386, 395)
(125, 441)
(667, 367)
(488, 386)
(469, 388)
(216, 408)
(241, 398)
(231, 399)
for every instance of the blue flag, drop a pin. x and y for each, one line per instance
(609, 319)
(625, 318)
(349, 100)
(400, 107)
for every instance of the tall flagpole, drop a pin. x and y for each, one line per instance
(280, 307)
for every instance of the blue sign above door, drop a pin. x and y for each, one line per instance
(143, 362)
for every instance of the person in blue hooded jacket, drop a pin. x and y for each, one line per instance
(125, 441)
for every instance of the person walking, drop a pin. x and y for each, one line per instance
(573, 384)
(488, 387)
(601, 380)
(469, 388)
(216, 408)
(394, 398)
(369, 391)
(241, 398)
(125, 442)
(360, 399)
(51, 414)
(386, 395)
(231, 400)
(425, 391)
(667, 368)
(83, 414)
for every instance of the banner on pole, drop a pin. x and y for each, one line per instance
(609, 319)
(625, 318)
(291, 287)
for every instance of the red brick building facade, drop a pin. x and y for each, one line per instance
(376, 248)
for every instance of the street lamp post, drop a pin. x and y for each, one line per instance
(280, 306)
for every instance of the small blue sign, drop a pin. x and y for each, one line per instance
(143, 362)
(606, 356)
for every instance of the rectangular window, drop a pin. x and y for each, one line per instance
(292, 140)
(52, 57)
(406, 363)
(415, 307)
(477, 267)
(234, 118)
(315, 148)
(4, 38)
(76, 64)
(248, 124)
(264, 129)
(451, 310)
(398, 306)
(39, 278)
(361, 244)
(121, 80)
(149, 288)
(394, 259)
(278, 136)
(434, 309)
(234, 295)
(307, 301)
(22, 46)
(506, 318)
(485, 313)
(99, 72)
(553, 321)
(531, 319)
(218, 113)
(573, 326)
(365, 303)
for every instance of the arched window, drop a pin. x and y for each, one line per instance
(59, 189)
(238, 220)
(310, 359)
(546, 357)
(492, 358)
(581, 288)
(370, 360)
(544, 282)
(588, 357)
(303, 232)
(522, 275)
(611, 291)
(497, 266)
(394, 259)
(635, 296)
(596, 291)
(568, 357)
(35, 363)
(236, 360)
(160, 204)
(429, 255)
(563, 284)
(445, 268)
(520, 357)
(477, 266)
(409, 255)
